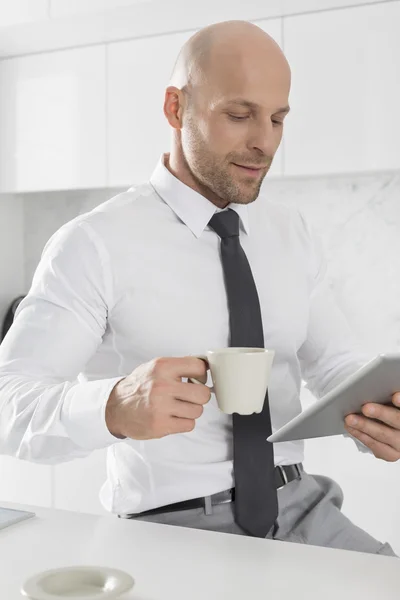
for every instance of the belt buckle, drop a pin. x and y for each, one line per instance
(208, 502)
(285, 477)
(208, 505)
(298, 471)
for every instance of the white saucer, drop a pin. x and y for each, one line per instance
(78, 583)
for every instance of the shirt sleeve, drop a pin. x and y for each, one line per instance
(331, 351)
(46, 414)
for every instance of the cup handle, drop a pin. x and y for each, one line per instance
(192, 379)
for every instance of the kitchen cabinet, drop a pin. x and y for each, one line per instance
(47, 25)
(52, 121)
(221, 10)
(171, 16)
(274, 28)
(14, 12)
(346, 90)
(65, 8)
(138, 132)
(78, 23)
(290, 7)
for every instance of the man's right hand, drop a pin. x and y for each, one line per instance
(153, 402)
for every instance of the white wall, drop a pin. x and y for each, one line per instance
(358, 218)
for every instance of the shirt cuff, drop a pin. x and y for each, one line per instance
(83, 414)
(361, 447)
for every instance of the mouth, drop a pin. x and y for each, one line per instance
(250, 171)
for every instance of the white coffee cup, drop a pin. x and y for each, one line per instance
(240, 378)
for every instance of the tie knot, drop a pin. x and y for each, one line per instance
(225, 223)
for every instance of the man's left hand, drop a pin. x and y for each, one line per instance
(382, 435)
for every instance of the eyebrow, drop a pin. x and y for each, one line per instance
(253, 105)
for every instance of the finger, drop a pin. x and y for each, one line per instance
(387, 414)
(198, 394)
(377, 431)
(396, 399)
(186, 410)
(178, 367)
(201, 378)
(379, 449)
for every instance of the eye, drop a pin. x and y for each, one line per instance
(238, 117)
(277, 122)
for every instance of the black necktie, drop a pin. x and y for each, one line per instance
(256, 504)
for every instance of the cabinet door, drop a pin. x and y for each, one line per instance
(138, 73)
(274, 28)
(138, 133)
(24, 482)
(290, 7)
(154, 17)
(346, 90)
(13, 12)
(66, 8)
(52, 121)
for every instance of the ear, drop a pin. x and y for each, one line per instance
(173, 106)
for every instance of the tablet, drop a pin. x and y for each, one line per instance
(376, 382)
(9, 516)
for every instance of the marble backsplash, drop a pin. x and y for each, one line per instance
(357, 216)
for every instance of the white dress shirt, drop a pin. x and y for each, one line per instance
(140, 277)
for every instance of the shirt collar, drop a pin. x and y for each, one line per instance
(190, 206)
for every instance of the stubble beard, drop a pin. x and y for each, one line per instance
(212, 175)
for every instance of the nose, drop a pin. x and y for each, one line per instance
(264, 137)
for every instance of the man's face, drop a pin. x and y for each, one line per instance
(233, 126)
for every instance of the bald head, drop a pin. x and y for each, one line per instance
(227, 99)
(223, 46)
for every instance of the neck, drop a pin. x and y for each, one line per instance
(176, 164)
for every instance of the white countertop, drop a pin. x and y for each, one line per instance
(173, 563)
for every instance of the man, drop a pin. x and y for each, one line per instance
(125, 295)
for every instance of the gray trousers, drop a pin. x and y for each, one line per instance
(309, 513)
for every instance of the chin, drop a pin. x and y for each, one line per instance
(249, 198)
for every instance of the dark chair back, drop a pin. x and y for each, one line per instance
(9, 318)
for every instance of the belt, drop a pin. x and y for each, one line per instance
(282, 474)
